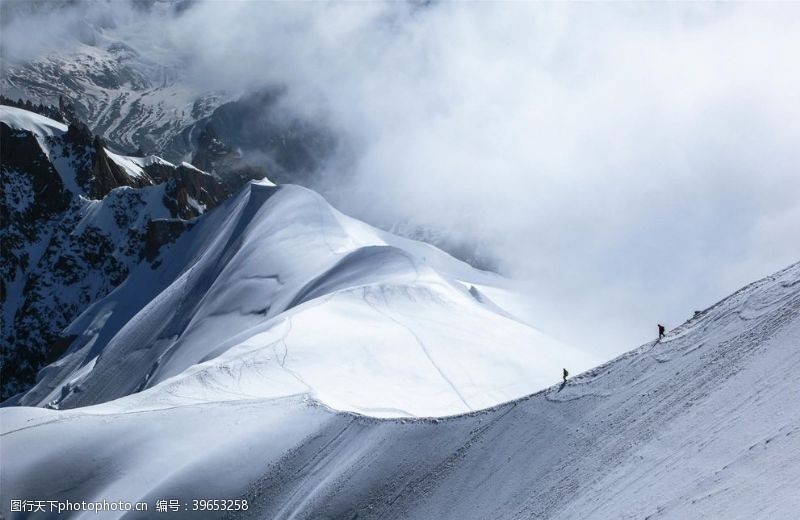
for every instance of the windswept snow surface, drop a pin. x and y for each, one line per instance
(704, 424)
(277, 294)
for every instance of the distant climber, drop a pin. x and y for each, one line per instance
(565, 374)
(661, 331)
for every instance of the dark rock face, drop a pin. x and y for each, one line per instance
(24, 161)
(32, 194)
(94, 171)
(74, 270)
(160, 233)
(79, 134)
(189, 192)
(107, 175)
(56, 261)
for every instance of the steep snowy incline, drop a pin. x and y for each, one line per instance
(704, 424)
(276, 293)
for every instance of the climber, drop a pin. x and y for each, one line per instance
(661, 331)
(565, 375)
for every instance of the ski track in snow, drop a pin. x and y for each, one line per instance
(421, 346)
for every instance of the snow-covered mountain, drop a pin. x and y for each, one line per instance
(77, 218)
(139, 99)
(703, 424)
(276, 293)
(133, 103)
(298, 297)
(178, 327)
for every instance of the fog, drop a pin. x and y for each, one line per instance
(625, 164)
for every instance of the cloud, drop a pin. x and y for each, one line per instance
(627, 163)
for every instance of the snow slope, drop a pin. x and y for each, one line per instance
(276, 294)
(705, 424)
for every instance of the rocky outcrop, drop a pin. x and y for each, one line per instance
(31, 192)
(94, 171)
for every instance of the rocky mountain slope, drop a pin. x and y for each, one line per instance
(77, 218)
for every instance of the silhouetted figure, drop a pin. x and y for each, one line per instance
(565, 375)
(661, 331)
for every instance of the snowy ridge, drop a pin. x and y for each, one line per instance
(701, 425)
(277, 351)
(276, 294)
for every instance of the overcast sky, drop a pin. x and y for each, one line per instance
(627, 164)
